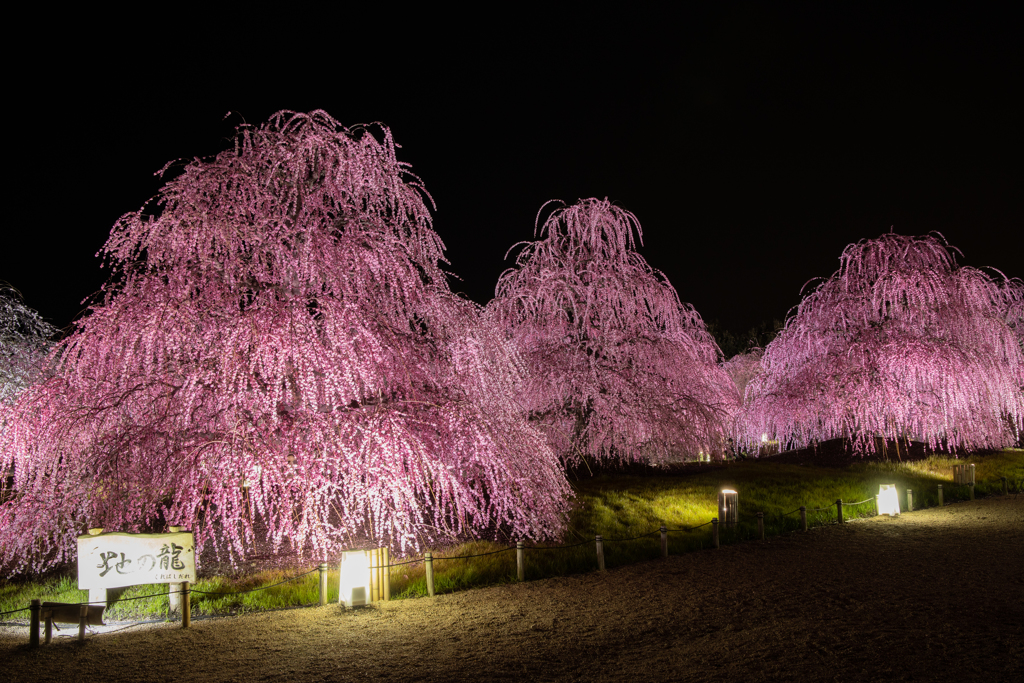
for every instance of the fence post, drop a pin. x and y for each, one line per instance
(839, 510)
(940, 495)
(1005, 492)
(428, 564)
(33, 634)
(386, 571)
(910, 500)
(186, 604)
(803, 517)
(520, 561)
(83, 614)
(970, 487)
(714, 532)
(375, 580)
(323, 583)
(173, 589)
(47, 617)
(664, 541)
(760, 525)
(600, 553)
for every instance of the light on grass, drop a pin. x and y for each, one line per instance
(354, 579)
(729, 507)
(888, 500)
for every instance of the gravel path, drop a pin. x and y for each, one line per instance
(933, 595)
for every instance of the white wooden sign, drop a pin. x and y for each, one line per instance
(120, 559)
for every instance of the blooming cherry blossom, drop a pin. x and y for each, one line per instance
(900, 342)
(279, 320)
(619, 368)
(24, 342)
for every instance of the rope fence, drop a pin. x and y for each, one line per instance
(252, 590)
(89, 613)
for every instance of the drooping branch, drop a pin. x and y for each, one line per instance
(24, 344)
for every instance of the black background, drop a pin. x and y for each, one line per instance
(753, 141)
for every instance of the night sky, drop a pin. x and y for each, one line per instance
(752, 141)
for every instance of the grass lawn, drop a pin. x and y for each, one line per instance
(617, 506)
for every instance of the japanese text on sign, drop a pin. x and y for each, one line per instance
(119, 559)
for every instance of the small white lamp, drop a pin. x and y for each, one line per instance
(354, 579)
(728, 507)
(888, 500)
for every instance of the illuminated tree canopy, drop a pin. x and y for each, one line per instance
(900, 342)
(281, 322)
(619, 368)
(24, 342)
(742, 368)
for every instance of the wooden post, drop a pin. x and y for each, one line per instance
(374, 581)
(323, 583)
(428, 563)
(186, 604)
(1005, 491)
(714, 532)
(910, 500)
(803, 517)
(940, 495)
(520, 561)
(97, 595)
(839, 509)
(972, 474)
(173, 598)
(760, 525)
(83, 615)
(386, 571)
(173, 589)
(33, 634)
(600, 552)
(970, 487)
(47, 617)
(376, 590)
(664, 541)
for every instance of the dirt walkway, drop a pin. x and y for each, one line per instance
(933, 595)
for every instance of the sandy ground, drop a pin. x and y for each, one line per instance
(934, 595)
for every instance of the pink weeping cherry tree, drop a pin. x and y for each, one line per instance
(282, 324)
(24, 342)
(1013, 302)
(901, 342)
(743, 367)
(619, 368)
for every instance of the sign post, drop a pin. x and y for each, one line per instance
(115, 560)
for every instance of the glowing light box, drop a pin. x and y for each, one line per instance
(728, 507)
(888, 500)
(354, 579)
